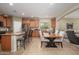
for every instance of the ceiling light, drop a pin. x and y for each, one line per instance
(11, 4)
(22, 13)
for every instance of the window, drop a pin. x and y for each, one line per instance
(44, 25)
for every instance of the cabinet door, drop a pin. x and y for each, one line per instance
(37, 23)
(9, 22)
(35, 33)
(53, 22)
(2, 19)
(6, 43)
(32, 24)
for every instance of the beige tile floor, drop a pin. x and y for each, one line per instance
(33, 48)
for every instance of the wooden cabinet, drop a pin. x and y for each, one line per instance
(6, 43)
(7, 21)
(26, 21)
(53, 22)
(34, 23)
(2, 19)
(35, 33)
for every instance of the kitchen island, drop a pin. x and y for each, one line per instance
(8, 41)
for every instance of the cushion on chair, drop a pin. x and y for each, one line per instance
(42, 37)
(56, 31)
(20, 39)
(45, 34)
(58, 40)
(46, 40)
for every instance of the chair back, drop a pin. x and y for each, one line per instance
(41, 36)
(30, 33)
(25, 36)
(61, 33)
(56, 31)
(45, 34)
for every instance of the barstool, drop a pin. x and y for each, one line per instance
(22, 41)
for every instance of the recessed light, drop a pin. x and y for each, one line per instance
(11, 4)
(22, 13)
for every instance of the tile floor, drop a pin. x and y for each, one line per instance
(33, 48)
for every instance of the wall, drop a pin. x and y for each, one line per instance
(17, 25)
(62, 23)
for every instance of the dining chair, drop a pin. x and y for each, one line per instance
(22, 40)
(45, 34)
(30, 35)
(56, 31)
(60, 40)
(43, 40)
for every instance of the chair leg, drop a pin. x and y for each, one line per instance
(24, 44)
(20, 43)
(17, 45)
(61, 45)
(41, 44)
(57, 43)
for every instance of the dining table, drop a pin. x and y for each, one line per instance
(51, 39)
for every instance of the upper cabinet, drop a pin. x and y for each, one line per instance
(2, 19)
(7, 21)
(33, 22)
(53, 22)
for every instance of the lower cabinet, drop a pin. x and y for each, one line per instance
(35, 33)
(6, 42)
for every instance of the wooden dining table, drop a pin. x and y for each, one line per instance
(51, 39)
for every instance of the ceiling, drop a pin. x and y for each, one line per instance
(36, 9)
(74, 14)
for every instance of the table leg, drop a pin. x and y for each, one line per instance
(51, 44)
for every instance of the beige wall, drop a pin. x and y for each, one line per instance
(62, 23)
(17, 24)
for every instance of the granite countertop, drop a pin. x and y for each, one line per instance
(13, 34)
